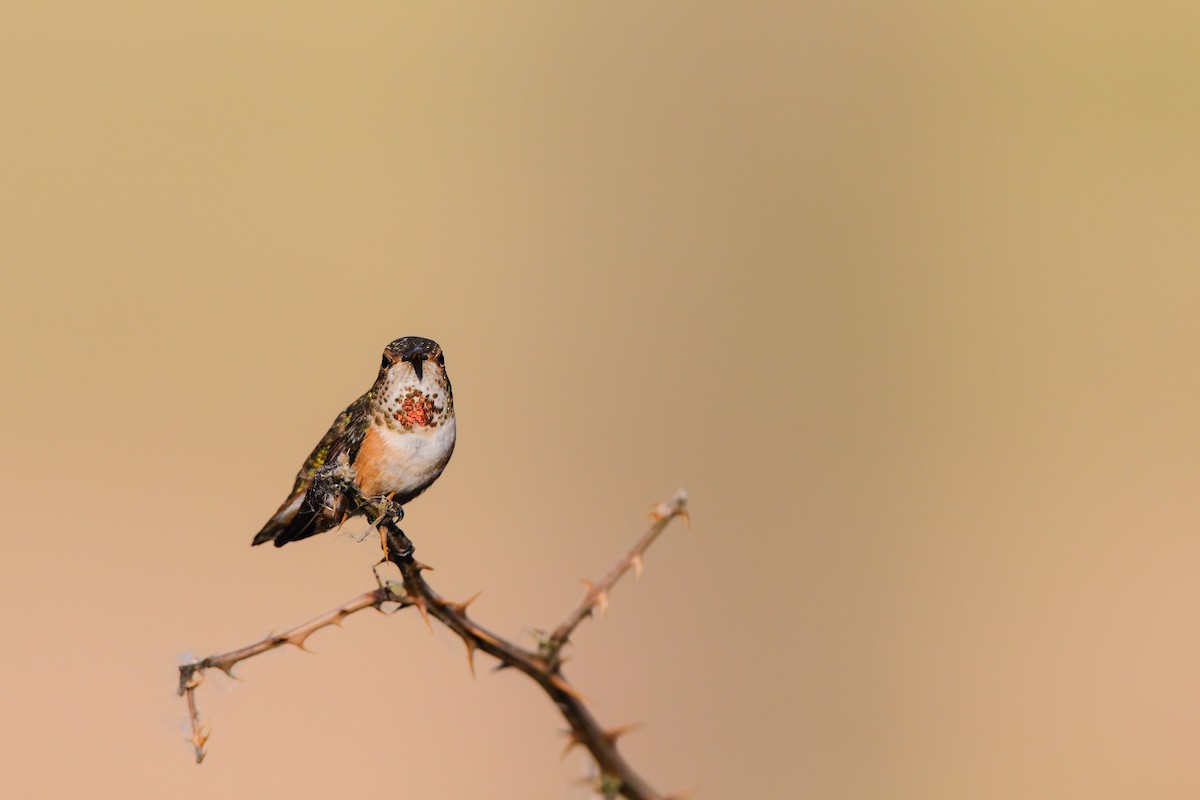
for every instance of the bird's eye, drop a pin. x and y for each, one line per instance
(387, 362)
(441, 359)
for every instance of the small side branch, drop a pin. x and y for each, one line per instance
(543, 666)
(191, 675)
(597, 593)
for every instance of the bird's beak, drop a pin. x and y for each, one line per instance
(419, 367)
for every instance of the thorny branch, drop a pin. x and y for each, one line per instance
(543, 666)
(597, 593)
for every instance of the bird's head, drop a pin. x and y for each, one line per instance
(413, 387)
(409, 357)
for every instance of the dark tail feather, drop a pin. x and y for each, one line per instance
(268, 533)
(301, 516)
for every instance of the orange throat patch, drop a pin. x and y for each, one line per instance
(417, 410)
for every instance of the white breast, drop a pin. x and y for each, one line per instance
(411, 459)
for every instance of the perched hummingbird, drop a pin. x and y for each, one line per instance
(394, 441)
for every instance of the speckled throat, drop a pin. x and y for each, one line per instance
(407, 404)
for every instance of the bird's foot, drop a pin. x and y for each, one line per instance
(388, 510)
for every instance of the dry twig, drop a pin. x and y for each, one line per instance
(597, 593)
(543, 666)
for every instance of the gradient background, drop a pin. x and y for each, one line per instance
(906, 297)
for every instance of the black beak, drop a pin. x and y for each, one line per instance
(416, 351)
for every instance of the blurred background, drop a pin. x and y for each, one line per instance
(905, 297)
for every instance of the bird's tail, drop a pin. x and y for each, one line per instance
(282, 520)
(306, 513)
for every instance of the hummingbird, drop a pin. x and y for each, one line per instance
(393, 442)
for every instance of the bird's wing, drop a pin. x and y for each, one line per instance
(303, 514)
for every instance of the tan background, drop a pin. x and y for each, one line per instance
(905, 296)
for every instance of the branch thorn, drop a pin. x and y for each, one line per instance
(461, 608)
(573, 741)
(612, 734)
(561, 684)
(197, 741)
(419, 602)
(470, 643)
(299, 641)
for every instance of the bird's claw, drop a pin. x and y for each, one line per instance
(391, 511)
